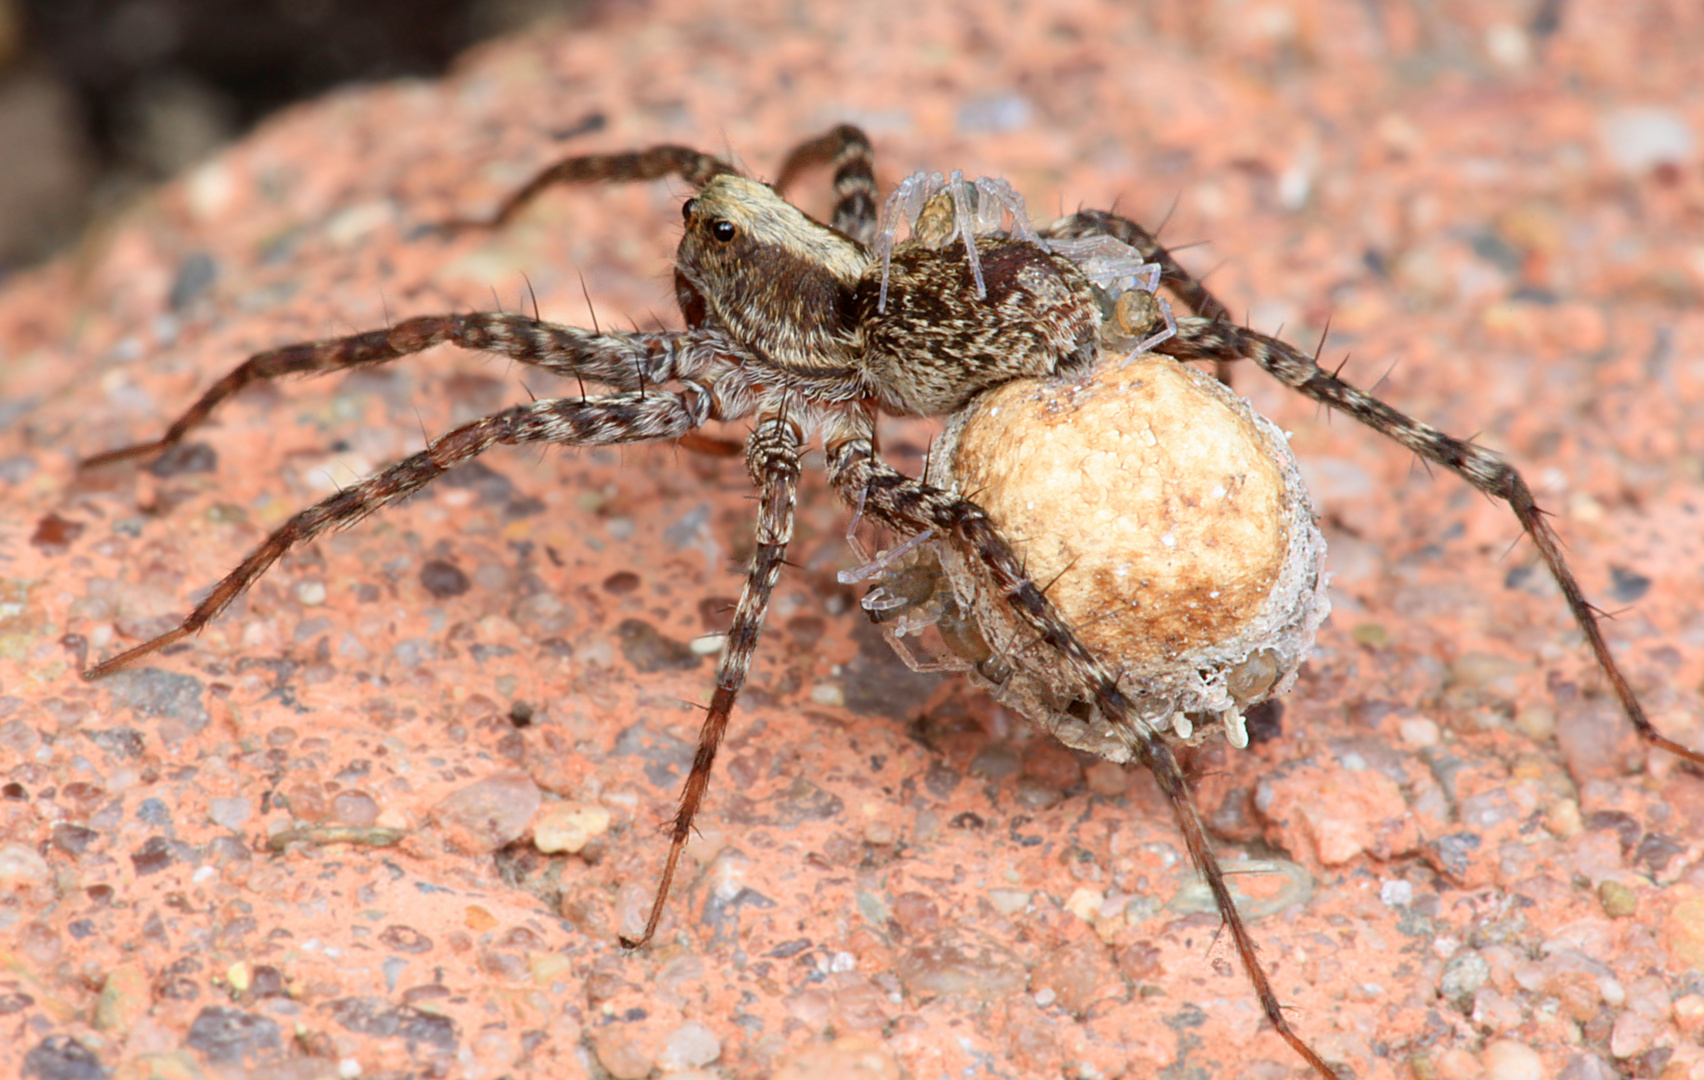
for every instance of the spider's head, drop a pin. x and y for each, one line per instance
(757, 266)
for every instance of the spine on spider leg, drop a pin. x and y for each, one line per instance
(1201, 339)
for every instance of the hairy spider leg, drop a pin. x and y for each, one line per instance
(654, 163)
(623, 361)
(848, 151)
(910, 506)
(1206, 339)
(772, 458)
(634, 416)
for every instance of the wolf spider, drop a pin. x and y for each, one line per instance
(809, 328)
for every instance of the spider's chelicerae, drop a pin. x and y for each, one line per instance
(810, 330)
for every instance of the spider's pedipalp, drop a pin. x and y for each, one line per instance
(599, 421)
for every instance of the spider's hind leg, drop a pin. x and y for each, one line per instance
(912, 506)
(1202, 339)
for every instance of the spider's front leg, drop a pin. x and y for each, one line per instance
(910, 507)
(846, 148)
(654, 163)
(772, 457)
(848, 151)
(623, 361)
(1221, 342)
(614, 418)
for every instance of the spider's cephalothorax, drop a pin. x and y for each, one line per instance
(809, 331)
(920, 340)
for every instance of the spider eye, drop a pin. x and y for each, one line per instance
(686, 209)
(723, 230)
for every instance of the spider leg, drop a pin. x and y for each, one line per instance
(624, 361)
(613, 418)
(1202, 339)
(848, 150)
(772, 456)
(694, 166)
(911, 506)
(1173, 276)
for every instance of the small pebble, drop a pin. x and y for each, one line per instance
(1397, 893)
(1619, 901)
(1537, 720)
(620, 1056)
(1419, 732)
(687, 1046)
(1631, 1035)
(1465, 973)
(1689, 1014)
(707, 644)
(21, 867)
(60, 1057)
(1509, 1060)
(354, 808)
(569, 827)
(228, 1036)
(1640, 138)
(1085, 903)
(232, 813)
(1563, 819)
(126, 996)
(489, 813)
(1009, 901)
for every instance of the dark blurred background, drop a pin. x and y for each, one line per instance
(99, 98)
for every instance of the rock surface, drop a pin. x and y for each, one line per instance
(875, 853)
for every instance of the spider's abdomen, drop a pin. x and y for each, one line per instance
(936, 343)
